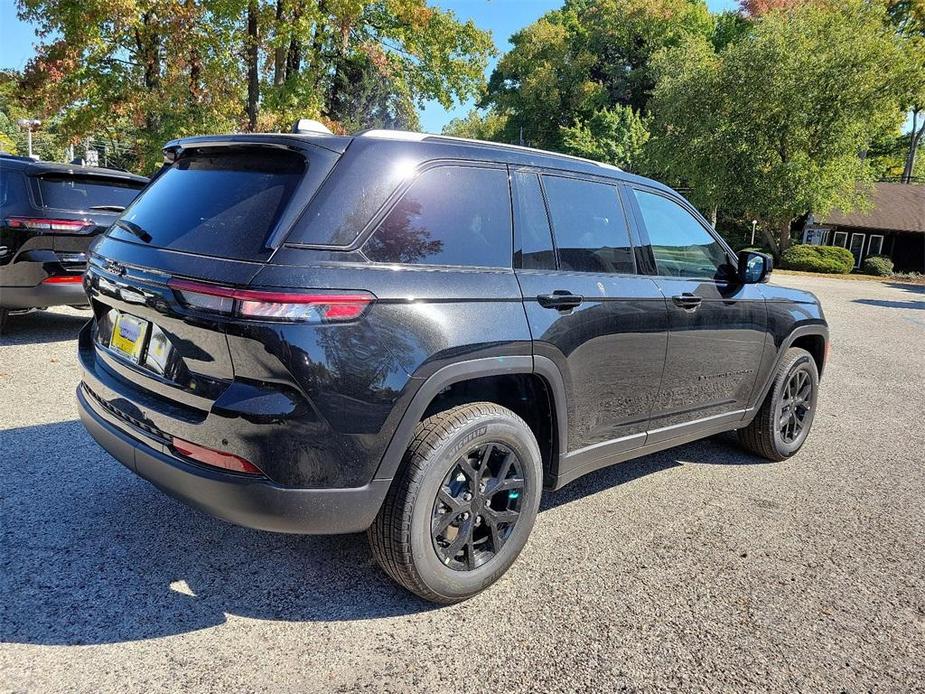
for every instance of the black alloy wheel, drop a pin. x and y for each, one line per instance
(477, 506)
(795, 404)
(782, 423)
(463, 503)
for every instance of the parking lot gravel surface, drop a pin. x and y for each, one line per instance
(698, 568)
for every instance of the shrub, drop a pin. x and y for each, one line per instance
(830, 259)
(879, 265)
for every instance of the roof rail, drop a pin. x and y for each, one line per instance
(409, 136)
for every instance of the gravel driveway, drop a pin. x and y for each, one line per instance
(697, 568)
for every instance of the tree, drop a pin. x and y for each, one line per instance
(478, 125)
(688, 129)
(612, 135)
(775, 123)
(758, 8)
(908, 17)
(146, 71)
(590, 55)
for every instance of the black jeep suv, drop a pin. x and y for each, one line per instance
(414, 335)
(49, 214)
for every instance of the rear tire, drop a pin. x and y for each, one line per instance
(463, 504)
(782, 424)
(4, 317)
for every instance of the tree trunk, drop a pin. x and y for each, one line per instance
(294, 54)
(148, 43)
(279, 55)
(784, 236)
(195, 60)
(713, 215)
(915, 139)
(772, 242)
(253, 81)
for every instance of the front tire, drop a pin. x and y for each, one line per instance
(463, 504)
(782, 424)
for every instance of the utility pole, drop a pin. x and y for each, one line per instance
(29, 124)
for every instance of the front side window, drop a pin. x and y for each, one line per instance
(589, 226)
(681, 245)
(451, 215)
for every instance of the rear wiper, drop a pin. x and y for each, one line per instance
(133, 228)
(113, 208)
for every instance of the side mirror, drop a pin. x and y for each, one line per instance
(754, 267)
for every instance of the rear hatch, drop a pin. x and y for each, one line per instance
(162, 279)
(96, 199)
(60, 210)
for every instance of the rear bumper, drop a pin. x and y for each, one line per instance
(43, 295)
(253, 503)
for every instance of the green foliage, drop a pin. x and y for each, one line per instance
(47, 141)
(140, 72)
(880, 265)
(729, 28)
(478, 125)
(611, 135)
(589, 55)
(828, 259)
(772, 125)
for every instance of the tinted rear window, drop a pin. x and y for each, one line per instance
(76, 193)
(222, 203)
(451, 215)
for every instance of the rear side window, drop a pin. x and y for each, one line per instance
(589, 225)
(532, 236)
(451, 215)
(680, 244)
(86, 193)
(220, 202)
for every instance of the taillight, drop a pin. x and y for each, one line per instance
(60, 226)
(316, 307)
(214, 458)
(63, 279)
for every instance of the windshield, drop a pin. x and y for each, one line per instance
(220, 203)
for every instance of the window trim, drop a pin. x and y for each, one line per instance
(835, 239)
(690, 209)
(613, 183)
(860, 257)
(399, 193)
(870, 242)
(515, 246)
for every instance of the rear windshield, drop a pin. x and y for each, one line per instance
(76, 193)
(221, 203)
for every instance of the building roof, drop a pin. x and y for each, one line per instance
(896, 207)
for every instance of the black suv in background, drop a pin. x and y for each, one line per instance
(414, 335)
(49, 214)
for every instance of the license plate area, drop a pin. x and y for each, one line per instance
(128, 336)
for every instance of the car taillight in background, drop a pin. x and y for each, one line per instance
(315, 307)
(54, 226)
